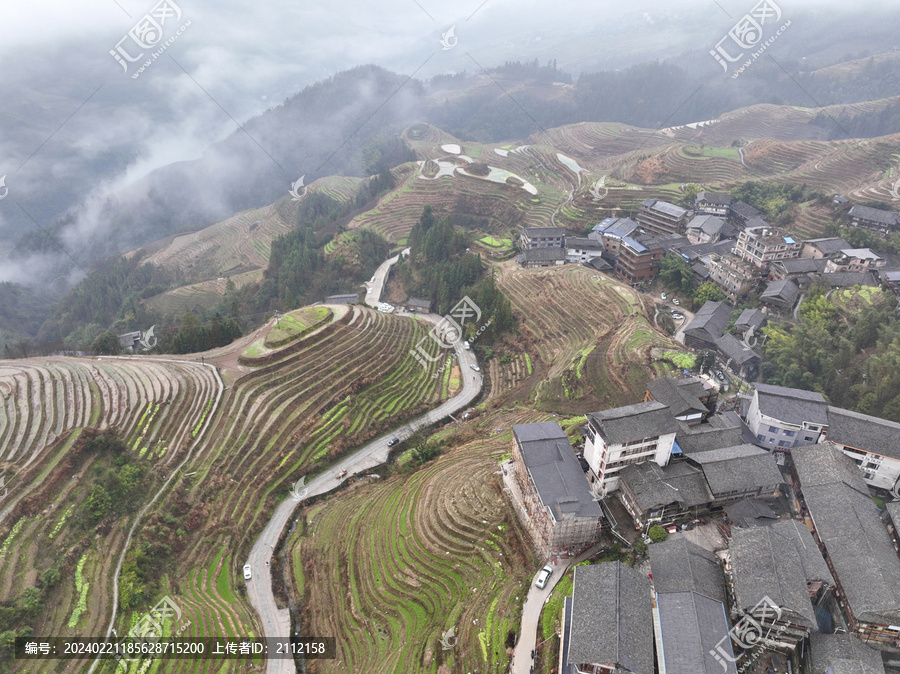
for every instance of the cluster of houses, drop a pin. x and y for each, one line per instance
(708, 330)
(810, 566)
(724, 241)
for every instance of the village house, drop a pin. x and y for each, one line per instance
(780, 564)
(691, 399)
(582, 250)
(708, 325)
(800, 269)
(709, 229)
(838, 653)
(735, 473)
(854, 259)
(853, 540)
(781, 295)
(742, 213)
(738, 356)
(712, 203)
(872, 443)
(782, 417)
(823, 248)
(607, 624)
(611, 232)
(418, 305)
(625, 435)
(542, 237)
(652, 493)
(750, 319)
(639, 258)
(763, 244)
(890, 278)
(735, 276)
(660, 217)
(532, 258)
(690, 621)
(873, 219)
(558, 510)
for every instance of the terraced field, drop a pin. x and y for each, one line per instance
(311, 401)
(158, 408)
(392, 566)
(584, 340)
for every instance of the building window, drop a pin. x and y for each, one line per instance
(784, 443)
(790, 434)
(772, 429)
(808, 438)
(771, 441)
(760, 437)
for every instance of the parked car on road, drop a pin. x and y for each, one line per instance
(719, 375)
(475, 367)
(678, 316)
(247, 572)
(393, 441)
(543, 577)
(664, 296)
(675, 300)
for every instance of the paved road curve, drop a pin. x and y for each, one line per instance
(276, 622)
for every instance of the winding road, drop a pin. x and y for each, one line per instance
(276, 622)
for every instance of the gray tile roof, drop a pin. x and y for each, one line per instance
(889, 218)
(843, 654)
(583, 242)
(744, 210)
(710, 225)
(634, 422)
(681, 395)
(750, 318)
(681, 566)
(419, 302)
(751, 512)
(710, 321)
(738, 468)
(736, 350)
(786, 291)
(721, 198)
(849, 525)
(654, 486)
(543, 254)
(769, 562)
(349, 298)
(704, 438)
(600, 264)
(800, 265)
(552, 232)
(792, 405)
(893, 511)
(828, 245)
(612, 621)
(691, 626)
(845, 279)
(555, 471)
(864, 432)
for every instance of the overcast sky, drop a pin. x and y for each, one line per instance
(65, 101)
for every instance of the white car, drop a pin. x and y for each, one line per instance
(677, 316)
(675, 300)
(247, 572)
(467, 346)
(475, 367)
(543, 577)
(664, 296)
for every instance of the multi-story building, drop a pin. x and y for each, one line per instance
(742, 213)
(543, 237)
(763, 244)
(874, 219)
(736, 277)
(690, 400)
(782, 417)
(709, 229)
(558, 510)
(611, 232)
(531, 258)
(661, 217)
(854, 259)
(625, 435)
(639, 258)
(707, 326)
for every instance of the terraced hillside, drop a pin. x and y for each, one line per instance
(584, 340)
(59, 540)
(311, 401)
(423, 572)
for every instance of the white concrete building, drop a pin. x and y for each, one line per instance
(626, 435)
(782, 417)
